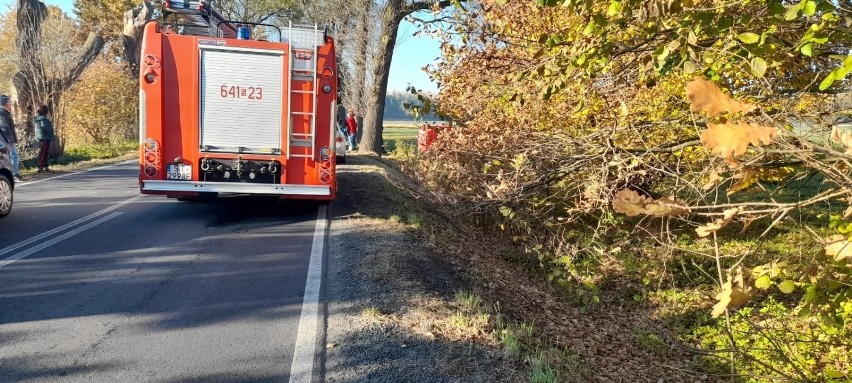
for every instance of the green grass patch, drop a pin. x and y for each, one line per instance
(519, 340)
(394, 136)
(468, 300)
(76, 156)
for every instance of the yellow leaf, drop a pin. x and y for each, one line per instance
(732, 139)
(746, 179)
(705, 96)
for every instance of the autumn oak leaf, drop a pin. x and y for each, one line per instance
(732, 139)
(705, 96)
(734, 294)
(629, 202)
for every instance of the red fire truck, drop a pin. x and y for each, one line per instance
(220, 112)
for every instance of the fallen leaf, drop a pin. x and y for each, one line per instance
(712, 180)
(730, 297)
(732, 139)
(839, 248)
(665, 207)
(629, 202)
(842, 136)
(705, 96)
(330, 345)
(714, 226)
(705, 230)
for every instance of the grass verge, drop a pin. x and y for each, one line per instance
(84, 156)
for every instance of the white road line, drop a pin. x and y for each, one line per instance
(53, 241)
(302, 368)
(66, 226)
(25, 183)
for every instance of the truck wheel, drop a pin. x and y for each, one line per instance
(5, 195)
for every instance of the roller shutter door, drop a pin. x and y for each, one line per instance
(241, 100)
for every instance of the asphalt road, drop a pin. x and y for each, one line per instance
(100, 284)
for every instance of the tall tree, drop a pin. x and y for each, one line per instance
(105, 15)
(47, 64)
(391, 13)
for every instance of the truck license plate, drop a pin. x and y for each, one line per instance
(179, 172)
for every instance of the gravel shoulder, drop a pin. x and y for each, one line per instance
(391, 297)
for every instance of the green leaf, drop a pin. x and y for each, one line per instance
(763, 283)
(689, 67)
(810, 8)
(834, 374)
(787, 286)
(758, 67)
(614, 8)
(827, 81)
(506, 211)
(749, 38)
(792, 12)
(590, 27)
(807, 49)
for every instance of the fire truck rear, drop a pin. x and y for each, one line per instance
(222, 113)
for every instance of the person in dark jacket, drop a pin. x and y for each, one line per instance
(44, 135)
(7, 130)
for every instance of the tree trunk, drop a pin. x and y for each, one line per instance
(359, 78)
(134, 24)
(391, 16)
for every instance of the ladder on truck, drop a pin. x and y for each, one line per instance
(303, 40)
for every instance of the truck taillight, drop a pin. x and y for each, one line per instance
(327, 72)
(151, 157)
(150, 76)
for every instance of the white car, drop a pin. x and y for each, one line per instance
(340, 147)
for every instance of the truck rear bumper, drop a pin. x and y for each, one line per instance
(163, 187)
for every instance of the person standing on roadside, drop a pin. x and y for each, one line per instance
(7, 128)
(44, 135)
(352, 126)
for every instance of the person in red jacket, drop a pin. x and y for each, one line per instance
(352, 129)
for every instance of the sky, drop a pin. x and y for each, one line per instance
(410, 56)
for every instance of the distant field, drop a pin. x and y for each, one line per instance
(400, 123)
(395, 133)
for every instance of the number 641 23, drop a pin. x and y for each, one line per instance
(249, 92)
